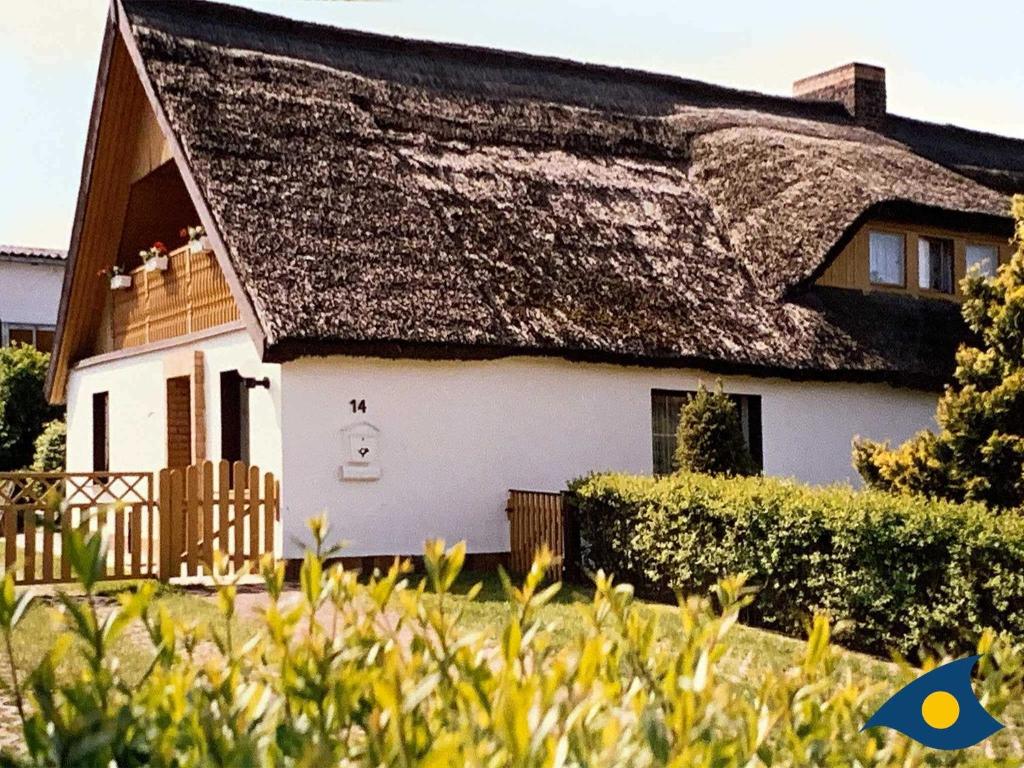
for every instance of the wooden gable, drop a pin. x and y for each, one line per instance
(129, 150)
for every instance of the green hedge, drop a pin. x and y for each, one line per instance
(900, 573)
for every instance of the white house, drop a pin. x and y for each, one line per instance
(30, 285)
(432, 273)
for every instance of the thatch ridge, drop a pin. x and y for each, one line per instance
(453, 67)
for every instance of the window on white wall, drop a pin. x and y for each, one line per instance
(665, 407)
(887, 256)
(234, 417)
(38, 336)
(983, 258)
(100, 432)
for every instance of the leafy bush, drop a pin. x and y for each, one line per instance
(23, 406)
(978, 453)
(380, 673)
(900, 573)
(710, 437)
(51, 447)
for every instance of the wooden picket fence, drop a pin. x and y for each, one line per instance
(210, 507)
(164, 530)
(535, 518)
(36, 508)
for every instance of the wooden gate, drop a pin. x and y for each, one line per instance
(535, 518)
(166, 532)
(210, 507)
(37, 507)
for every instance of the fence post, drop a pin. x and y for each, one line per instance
(571, 567)
(207, 504)
(269, 513)
(254, 515)
(239, 475)
(192, 526)
(166, 513)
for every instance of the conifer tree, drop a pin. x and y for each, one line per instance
(710, 438)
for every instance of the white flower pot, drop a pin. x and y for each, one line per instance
(156, 264)
(200, 245)
(120, 282)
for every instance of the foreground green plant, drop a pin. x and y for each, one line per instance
(348, 672)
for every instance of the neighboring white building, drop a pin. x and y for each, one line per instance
(435, 273)
(30, 287)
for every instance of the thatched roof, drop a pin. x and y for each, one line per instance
(385, 196)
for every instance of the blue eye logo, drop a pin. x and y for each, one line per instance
(939, 709)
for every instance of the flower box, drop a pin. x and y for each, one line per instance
(199, 245)
(156, 264)
(120, 282)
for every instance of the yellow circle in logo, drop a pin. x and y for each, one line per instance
(940, 709)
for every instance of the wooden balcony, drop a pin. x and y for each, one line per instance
(191, 295)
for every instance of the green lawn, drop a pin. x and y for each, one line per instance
(758, 647)
(33, 636)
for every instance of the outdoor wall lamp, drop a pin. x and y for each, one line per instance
(252, 383)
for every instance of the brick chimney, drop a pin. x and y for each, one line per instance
(858, 87)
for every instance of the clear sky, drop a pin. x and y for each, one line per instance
(959, 63)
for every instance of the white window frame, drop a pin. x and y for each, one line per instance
(992, 248)
(903, 263)
(6, 328)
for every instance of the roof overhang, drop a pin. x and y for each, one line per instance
(40, 261)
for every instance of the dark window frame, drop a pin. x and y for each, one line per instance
(947, 282)
(234, 417)
(101, 432)
(663, 437)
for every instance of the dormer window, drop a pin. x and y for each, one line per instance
(888, 257)
(935, 264)
(983, 258)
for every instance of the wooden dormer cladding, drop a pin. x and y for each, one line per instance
(850, 269)
(190, 296)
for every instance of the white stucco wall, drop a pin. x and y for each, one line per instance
(30, 292)
(138, 404)
(455, 436)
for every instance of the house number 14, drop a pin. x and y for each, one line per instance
(358, 406)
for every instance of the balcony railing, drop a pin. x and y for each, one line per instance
(191, 295)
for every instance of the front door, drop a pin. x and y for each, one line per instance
(179, 422)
